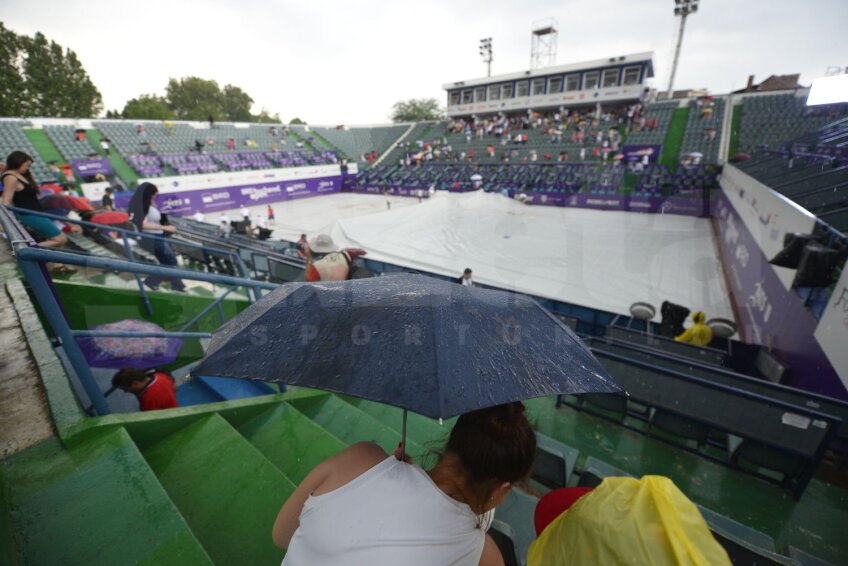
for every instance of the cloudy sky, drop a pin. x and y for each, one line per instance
(336, 61)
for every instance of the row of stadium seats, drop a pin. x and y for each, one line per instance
(13, 138)
(774, 120)
(663, 112)
(355, 142)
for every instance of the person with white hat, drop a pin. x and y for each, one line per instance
(325, 262)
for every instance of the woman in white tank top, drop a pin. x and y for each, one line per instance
(363, 506)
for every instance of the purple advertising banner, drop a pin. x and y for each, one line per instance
(636, 152)
(227, 198)
(685, 206)
(91, 167)
(769, 314)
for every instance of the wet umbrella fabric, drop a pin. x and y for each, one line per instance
(142, 353)
(429, 346)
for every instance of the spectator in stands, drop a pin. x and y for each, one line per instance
(302, 247)
(699, 333)
(169, 126)
(622, 521)
(104, 144)
(147, 218)
(153, 388)
(231, 144)
(245, 214)
(466, 279)
(387, 510)
(21, 190)
(107, 201)
(224, 217)
(225, 229)
(325, 262)
(199, 216)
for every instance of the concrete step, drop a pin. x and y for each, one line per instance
(226, 489)
(94, 503)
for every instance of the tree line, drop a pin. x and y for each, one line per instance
(41, 78)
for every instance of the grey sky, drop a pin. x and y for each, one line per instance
(334, 62)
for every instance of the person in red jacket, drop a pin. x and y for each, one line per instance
(154, 388)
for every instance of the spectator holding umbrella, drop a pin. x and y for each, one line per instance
(413, 516)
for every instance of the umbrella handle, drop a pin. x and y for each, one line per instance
(402, 455)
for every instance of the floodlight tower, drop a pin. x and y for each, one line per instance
(486, 54)
(682, 8)
(543, 43)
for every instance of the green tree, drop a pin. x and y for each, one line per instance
(40, 78)
(417, 110)
(236, 104)
(148, 107)
(193, 98)
(12, 86)
(297, 122)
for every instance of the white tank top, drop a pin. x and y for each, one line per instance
(393, 514)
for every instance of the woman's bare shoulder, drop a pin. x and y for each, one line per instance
(348, 465)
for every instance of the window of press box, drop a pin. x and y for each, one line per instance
(522, 88)
(610, 78)
(631, 76)
(572, 82)
(554, 85)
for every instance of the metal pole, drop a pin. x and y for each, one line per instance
(34, 274)
(147, 305)
(676, 54)
(403, 438)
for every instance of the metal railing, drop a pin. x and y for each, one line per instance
(33, 261)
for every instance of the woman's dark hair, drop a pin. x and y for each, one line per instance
(149, 189)
(494, 445)
(15, 160)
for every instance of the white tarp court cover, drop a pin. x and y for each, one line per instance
(600, 259)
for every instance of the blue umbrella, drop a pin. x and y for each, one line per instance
(415, 342)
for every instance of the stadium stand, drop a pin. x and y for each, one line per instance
(703, 128)
(662, 112)
(812, 171)
(356, 142)
(773, 120)
(12, 138)
(64, 138)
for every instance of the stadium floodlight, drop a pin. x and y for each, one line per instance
(486, 54)
(682, 8)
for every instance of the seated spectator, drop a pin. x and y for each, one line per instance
(107, 201)
(621, 522)
(326, 262)
(699, 333)
(154, 388)
(148, 219)
(21, 190)
(413, 517)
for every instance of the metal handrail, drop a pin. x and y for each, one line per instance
(113, 228)
(32, 259)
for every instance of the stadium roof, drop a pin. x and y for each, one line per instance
(647, 56)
